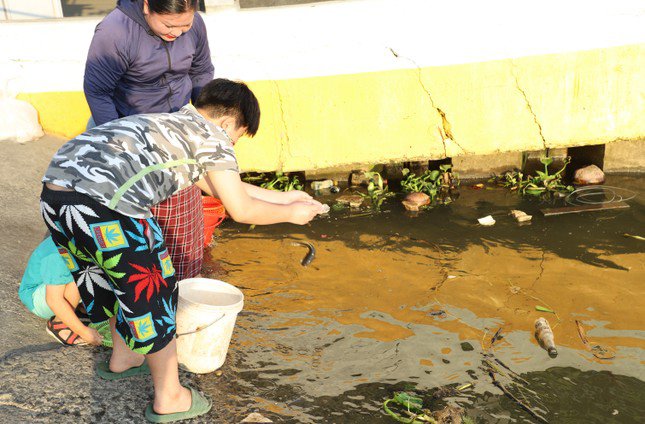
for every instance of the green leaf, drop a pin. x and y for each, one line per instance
(543, 309)
(434, 175)
(115, 274)
(112, 262)
(546, 161)
(108, 312)
(408, 401)
(99, 258)
(143, 350)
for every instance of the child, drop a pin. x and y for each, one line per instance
(96, 201)
(49, 291)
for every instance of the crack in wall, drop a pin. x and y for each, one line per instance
(445, 124)
(528, 105)
(285, 141)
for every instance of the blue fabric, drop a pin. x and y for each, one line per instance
(45, 267)
(129, 70)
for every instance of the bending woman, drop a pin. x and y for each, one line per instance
(152, 56)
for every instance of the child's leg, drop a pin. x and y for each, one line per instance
(72, 295)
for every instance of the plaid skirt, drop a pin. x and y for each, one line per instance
(181, 219)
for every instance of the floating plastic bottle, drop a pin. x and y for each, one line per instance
(544, 336)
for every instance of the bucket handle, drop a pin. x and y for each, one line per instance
(198, 329)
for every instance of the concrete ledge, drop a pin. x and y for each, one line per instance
(625, 156)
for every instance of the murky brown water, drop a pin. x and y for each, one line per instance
(332, 341)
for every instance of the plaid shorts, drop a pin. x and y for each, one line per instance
(181, 218)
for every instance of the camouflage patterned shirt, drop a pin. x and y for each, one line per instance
(135, 162)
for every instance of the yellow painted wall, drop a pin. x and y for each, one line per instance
(559, 100)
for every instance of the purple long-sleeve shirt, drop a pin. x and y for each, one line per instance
(129, 70)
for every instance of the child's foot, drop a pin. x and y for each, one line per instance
(63, 334)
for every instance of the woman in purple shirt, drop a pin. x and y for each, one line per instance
(152, 56)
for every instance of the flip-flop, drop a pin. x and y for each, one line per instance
(199, 405)
(103, 371)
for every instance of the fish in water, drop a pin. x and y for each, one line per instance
(311, 254)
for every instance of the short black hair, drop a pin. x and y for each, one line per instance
(223, 97)
(164, 7)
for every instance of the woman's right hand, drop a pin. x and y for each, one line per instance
(303, 212)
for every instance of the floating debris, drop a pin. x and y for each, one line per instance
(600, 352)
(322, 185)
(544, 336)
(543, 309)
(634, 236)
(486, 221)
(589, 175)
(416, 200)
(353, 200)
(521, 216)
(477, 186)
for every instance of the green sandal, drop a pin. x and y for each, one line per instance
(103, 371)
(199, 406)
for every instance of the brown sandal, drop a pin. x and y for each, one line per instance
(54, 329)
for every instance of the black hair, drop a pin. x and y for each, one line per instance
(164, 7)
(222, 97)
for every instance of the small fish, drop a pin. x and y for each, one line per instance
(309, 257)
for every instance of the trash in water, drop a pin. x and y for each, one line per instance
(634, 236)
(477, 186)
(321, 185)
(543, 309)
(416, 200)
(600, 352)
(521, 216)
(486, 221)
(353, 200)
(544, 336)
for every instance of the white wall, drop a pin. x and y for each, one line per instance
(342, 37)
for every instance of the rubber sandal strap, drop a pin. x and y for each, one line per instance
(199, 405)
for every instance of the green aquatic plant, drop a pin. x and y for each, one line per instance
(278, 182)
(377, 190)
(439, 184)
(540, 184)
(409, 405)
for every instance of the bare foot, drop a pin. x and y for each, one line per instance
(124, 360)
(172, 403)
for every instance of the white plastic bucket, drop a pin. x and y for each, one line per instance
(206, 314)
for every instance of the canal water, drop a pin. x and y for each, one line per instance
(401, 302)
